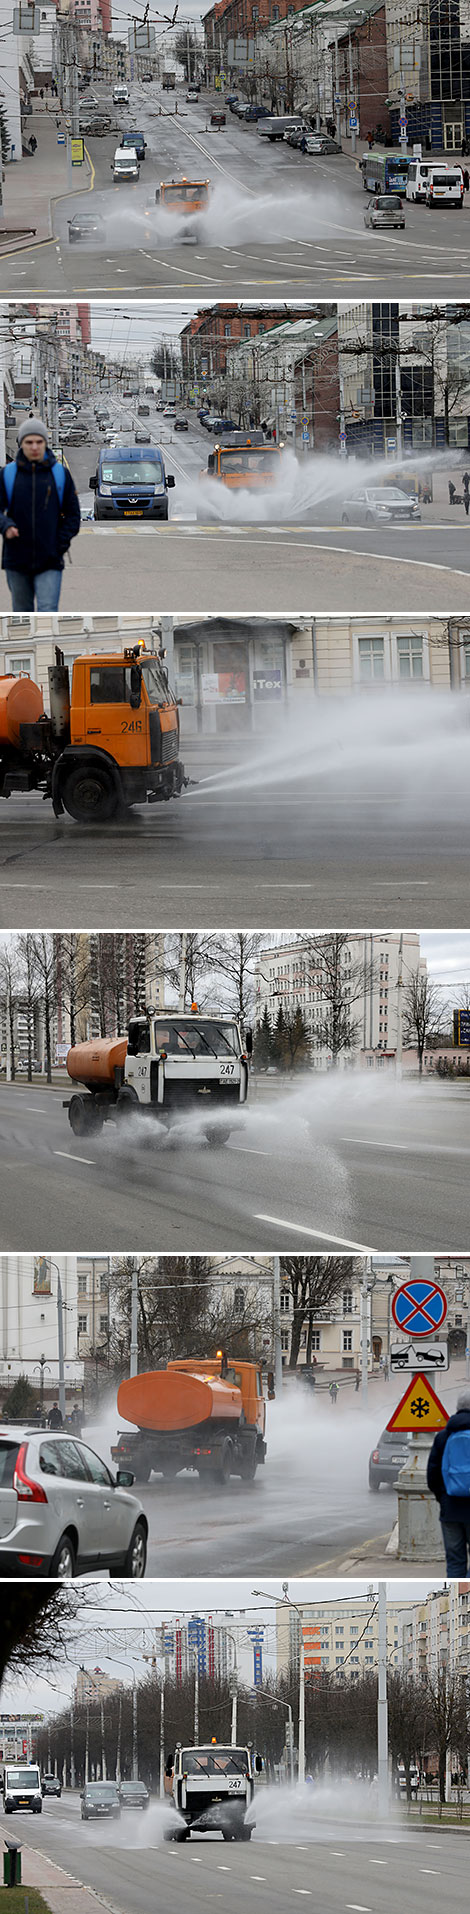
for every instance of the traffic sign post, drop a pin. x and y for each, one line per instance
(419, 1307)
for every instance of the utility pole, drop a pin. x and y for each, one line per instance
(467, 1348)
(133, 1369)
(72, 1748)
(196, 1698)
(352, 100)
(162, 1734)
(399, 1049)
(167, 641)
(398, 410)
(103, 1749)
(364, 1333)
(135, 1744)
(382, 1704)
(87, 1743)
(60, 1342)
(277, 1324)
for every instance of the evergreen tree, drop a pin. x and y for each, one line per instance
(263, 1042)
(5, 141)
(20, 1401)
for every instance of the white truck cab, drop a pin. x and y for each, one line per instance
(120, 95)
(212, 1788)
(21, 1787)
(125, 164)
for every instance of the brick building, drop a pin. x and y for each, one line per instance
(207, 338)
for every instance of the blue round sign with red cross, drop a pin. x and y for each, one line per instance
(419, 1307)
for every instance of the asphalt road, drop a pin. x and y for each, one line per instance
(376, 1871)
(287, 853)
(292, 224)
(336, 1163)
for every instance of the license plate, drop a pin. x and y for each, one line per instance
(133, 514)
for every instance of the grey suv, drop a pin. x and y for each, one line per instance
(62, 1511)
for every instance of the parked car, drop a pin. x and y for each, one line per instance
(386, 209)
(50, 1784)
(387, 1459)
(134, 1794)
(379, 505)
(321, 143)
(257, 113)
(61, 1509)
(96, 127)
(100, 1798)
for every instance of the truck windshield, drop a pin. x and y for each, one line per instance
(178, 1036)
(190, 190)
(23, 1777)
(249, 461)
(155, 680)
(147, 471)
(215, 1760)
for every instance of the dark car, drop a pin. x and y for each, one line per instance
(130, 483)
(86, 226)
(229, 98)
(257, 113)
(181, 425)
(50, 1784)
(142, 437)
(100, 1798)
(137, 140)
(219, 426)
(134, 1794)
(387, 1459)
(218, 119)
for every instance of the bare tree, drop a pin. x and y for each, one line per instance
(35, 1626)
(9, 993)
(424, 1015)
(236, 956)
(341, 983)
(315, 1283)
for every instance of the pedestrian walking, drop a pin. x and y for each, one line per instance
(33, 143)
(448, 1477)
(54, 1420)
(39, 516)
(333, 1391)
(466, 179)
(452, 492)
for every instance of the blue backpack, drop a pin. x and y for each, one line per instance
(456, 1463)
(58, 474)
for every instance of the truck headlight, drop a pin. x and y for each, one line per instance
(105, 491)
(158, 489)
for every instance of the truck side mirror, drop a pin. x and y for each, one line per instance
(92, 483)
(249, 1042)
(136, 688)
(157, 196)
(169, 1765)
(170, 481)
(271, 1388)
(258, 1764)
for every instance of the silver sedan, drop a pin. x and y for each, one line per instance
(380, 505)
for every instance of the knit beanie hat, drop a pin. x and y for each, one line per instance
(32, 428)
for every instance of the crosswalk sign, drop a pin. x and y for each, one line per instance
(419, 1409)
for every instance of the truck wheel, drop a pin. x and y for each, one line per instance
(89, 794)
(84, 1119)
(245, 1834)
(215, 1137)
(223, 1469)
(249, 1463)
(126, 1101)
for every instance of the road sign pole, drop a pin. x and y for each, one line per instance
(382, 1705)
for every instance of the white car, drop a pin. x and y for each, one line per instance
(61, 1509)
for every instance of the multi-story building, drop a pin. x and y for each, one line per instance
(340, 1637)
(374, 969)
(204, 1640)
(453, 1274)
(92, 1685)
(333, 1339)
(93, 1306)
(404, 376)
(206, 339)
(29, 1321)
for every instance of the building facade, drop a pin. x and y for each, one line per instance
(374, 968)
(29, 1321)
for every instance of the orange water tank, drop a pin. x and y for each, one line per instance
(97, 1062)
(172, 1399)
(21, 702)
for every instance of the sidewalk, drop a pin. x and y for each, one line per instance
(63, 1893)
(33, 184)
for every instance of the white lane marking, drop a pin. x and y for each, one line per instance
(378, 1863)
(302, 1229)
(70, 1154)
(337, 1853)
(243, 1150)
(301, 1890)
(223, 1870)
(357, 1908)
(257, 1877)
(35, 1110)
(430, 1870)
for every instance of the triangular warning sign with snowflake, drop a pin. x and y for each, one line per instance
(419, 1409)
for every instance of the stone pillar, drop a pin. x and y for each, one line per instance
(419, 1529)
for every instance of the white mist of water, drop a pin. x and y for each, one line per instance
(346, 1806)
(398, 744)
(232, 217)
(320, 484)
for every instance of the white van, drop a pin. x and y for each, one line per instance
(125, 164)
(419, 174)
(21, 1787)
(281, 123)
(445, 187)
(120, 95)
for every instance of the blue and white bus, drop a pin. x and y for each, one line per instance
(384, 172)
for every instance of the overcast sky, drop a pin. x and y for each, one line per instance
(448, 958)
(104, 1638)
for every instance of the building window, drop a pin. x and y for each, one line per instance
(103, 1325)
(316, 1340)
(347, 1341)
(347, 1302)
(410, 658)
(371, 660)
(18, 664)
(285, 1341)
(284, 1303)
(83, 1325)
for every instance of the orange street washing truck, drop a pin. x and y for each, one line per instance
(184, 197)
(205, 1414)
(171, 1064)
(244, 459)
(111, 740)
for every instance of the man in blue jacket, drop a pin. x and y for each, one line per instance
(448, 1477)
(39, 515)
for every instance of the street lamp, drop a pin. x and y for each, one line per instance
(278, 1702)
(285, 1601)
